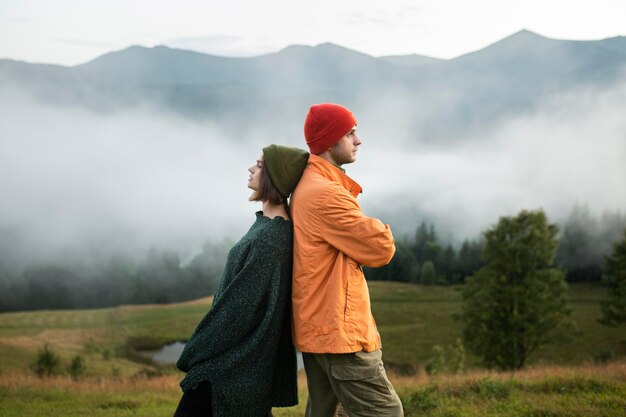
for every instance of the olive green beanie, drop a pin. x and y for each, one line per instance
(285, 166)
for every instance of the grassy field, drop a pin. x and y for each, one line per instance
(579, 391)
(411, 319)
(545, 391)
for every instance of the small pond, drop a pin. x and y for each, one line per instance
(170, 353)
(165, 355)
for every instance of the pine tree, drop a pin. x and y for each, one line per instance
(614, 307)
(428, 275)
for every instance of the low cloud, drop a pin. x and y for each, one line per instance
(76, 180)
(80, 183)
(571, 149)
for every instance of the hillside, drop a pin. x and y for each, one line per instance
(411, 318)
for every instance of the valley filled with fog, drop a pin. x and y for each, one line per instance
(76, 181)
(98, 165)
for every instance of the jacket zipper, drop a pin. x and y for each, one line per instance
(345, 306)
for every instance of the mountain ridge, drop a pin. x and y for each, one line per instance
(619, 41)
(440, 98)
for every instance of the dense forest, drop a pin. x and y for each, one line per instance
(161, 276)
(584, 241)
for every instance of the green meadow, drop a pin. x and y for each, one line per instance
(584, 375)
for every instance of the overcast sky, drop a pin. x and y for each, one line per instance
(72, 32)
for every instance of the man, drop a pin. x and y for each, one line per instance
(333, 322)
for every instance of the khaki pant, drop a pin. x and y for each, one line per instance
(357, 380)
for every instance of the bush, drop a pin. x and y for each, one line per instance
(115, 372)
(447, 359)
(488, 388)
(422, 400)
(77, 368)
(149, 373)
(47, 362)
(604, 356)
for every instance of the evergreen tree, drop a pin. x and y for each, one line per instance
(513, 304)
(577, 252)
(403, 266)
(421, 238)
(468, 260)
(432, 252)
(204, 271)
(159, 277)
(614, 307)
(51, 286)
(428, 275)
(7, 300)
(432, 234)
(586, 241)
(447, 265)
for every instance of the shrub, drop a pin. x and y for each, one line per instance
(115, 372)
(450, 358)
(47, 362)
(421, 400)
(604, 356)
(77, 367)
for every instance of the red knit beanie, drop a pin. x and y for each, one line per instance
(325, 124)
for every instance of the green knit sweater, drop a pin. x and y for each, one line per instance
(243, 345)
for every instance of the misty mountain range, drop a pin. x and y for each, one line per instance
(148, 147)
(423, 99)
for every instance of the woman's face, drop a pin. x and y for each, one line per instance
(255, 174)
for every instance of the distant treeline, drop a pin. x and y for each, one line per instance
(161, 277)
(584, 241)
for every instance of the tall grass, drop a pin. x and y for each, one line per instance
(586, 391)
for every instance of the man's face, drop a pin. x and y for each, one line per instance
(344, 151)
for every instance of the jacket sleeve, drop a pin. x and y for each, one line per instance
(239, 309)
(344, 226)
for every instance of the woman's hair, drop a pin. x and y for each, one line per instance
(267, 191)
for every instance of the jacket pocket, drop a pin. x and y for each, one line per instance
(350, 284)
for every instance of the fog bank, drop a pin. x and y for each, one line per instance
(76, 183)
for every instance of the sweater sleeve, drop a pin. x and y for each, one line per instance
(237, 312)
(364, 239)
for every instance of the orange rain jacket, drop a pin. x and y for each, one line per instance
(332, 239)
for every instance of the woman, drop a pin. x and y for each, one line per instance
(241, 361)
